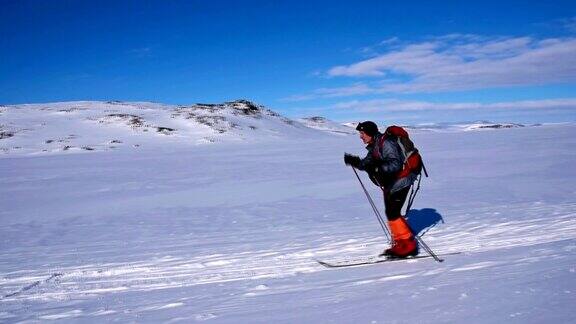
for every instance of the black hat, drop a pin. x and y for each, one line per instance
(368, 127)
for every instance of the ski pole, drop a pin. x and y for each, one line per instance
(376, 212)
(427, 248)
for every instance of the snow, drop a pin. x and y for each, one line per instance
(179, 231)
(324, 124)
(47, 129)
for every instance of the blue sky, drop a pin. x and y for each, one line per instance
(346, 60)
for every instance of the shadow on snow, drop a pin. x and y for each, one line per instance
(422, 220)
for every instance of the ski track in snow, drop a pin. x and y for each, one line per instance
(171, 272)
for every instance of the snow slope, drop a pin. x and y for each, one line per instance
(324, 124)
(102, 126)
(229, 233)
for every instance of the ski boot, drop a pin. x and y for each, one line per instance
(402, 248)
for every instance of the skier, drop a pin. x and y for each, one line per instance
(384, 163)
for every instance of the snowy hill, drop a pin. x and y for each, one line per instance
(325, 124)
(467, 126)
(454, 127)
(489, 125)
(96, 126)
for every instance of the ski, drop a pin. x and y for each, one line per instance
(374, 260)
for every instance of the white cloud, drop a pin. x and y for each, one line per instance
(459, 62)
(391, 40)
(394, 105)
(355, 89)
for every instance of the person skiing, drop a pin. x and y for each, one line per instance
(384, 164)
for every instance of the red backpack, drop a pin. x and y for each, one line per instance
(412, 159)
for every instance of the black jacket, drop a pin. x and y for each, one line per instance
(383, 166)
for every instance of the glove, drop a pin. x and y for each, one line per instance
(352, 160)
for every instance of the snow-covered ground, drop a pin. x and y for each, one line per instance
(229, 232)
(324, 124)
(47, 129)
